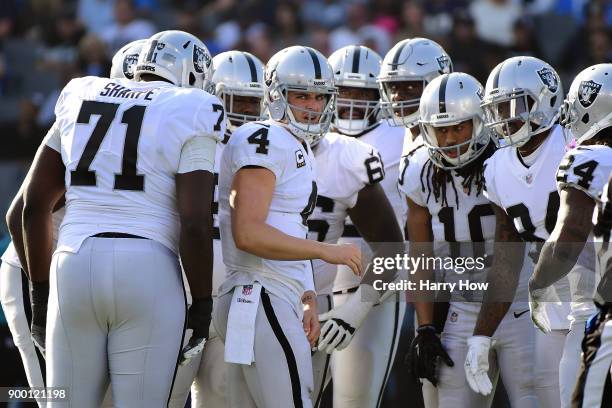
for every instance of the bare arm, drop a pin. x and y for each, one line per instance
(379, 227)
(503, 277)
(194, 194)
(560, 252)
(251, 195)
(421, 244)
(43, 188)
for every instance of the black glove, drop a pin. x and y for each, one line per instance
(425, 351)
(39, 295)
(198, 319)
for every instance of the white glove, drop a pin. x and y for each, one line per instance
(537, 299)
(342, 321)
(477, 364)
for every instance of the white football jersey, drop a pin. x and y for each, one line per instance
(121, 143)
(602, 227)
(270, 145)
(586, 168)
(466, 217)
(529, 195)
(345, 165)
(389, 141)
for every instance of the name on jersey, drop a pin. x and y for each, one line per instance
(113, 90)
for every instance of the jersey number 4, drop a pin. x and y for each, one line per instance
(128, 179)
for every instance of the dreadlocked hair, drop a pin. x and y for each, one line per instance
(434, 178)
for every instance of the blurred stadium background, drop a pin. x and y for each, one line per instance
(45, 43)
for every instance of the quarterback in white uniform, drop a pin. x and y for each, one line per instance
(266, 307)
(12, 274)
(450, 217)
(349, 173)
(580, 179)
(238, 81)
(138, 193)
(522, 99)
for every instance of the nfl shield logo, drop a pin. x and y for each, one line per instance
(201, 59)
(549, 78)
(247, 289)
(529, 178)
(128, 65)
(453, 317)
(587, 92)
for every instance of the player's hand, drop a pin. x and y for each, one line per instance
(39, 296)
(198, 319)
(343, 320)
(538, 313)
(426, 349)
(477, 364)
(343, 254)
(312, 327)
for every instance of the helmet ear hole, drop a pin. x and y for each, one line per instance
(585, 118)
(553, 100)
(192, 79)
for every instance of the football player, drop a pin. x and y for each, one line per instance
(406, 69)
(349, 173)
(238, 81)
(265, 311)
(521, 102)
(13, 276)
(136, 168)
(449, 216)
(594, 379)
(580, 179)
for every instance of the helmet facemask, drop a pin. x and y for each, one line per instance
(404, 112)
(451, 157)
(235, 117)
(317, 123)
(515, 117)
(354, 117)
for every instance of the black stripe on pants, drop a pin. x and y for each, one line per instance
(282, 339)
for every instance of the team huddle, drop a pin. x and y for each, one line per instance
(204, 226)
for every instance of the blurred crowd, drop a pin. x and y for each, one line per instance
(45, 43)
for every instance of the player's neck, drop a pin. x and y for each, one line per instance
(533, 143)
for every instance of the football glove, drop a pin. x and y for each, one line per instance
(39, 296)
(426, 349)
(477, 364)
(198, 320)
(342, 321)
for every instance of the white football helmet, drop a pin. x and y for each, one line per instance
(449, 100)
(412, 60)
(125, 60)
(588, 106)
(522, 99)
(178, 57)
(238, 73)
(356, 66)
(300, 69)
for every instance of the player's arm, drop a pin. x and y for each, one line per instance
(251, 194)
(375, 220)
(418, 226)
(560, 252)
(42, 189)
(503, 277)
(381, 231)
(15, 226)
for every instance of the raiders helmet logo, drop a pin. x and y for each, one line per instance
(587, 92)
(444, 64)
(549, 78)
(201, 59)
(129, 62)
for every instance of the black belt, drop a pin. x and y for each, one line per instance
(345, 291)
(116, 235)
